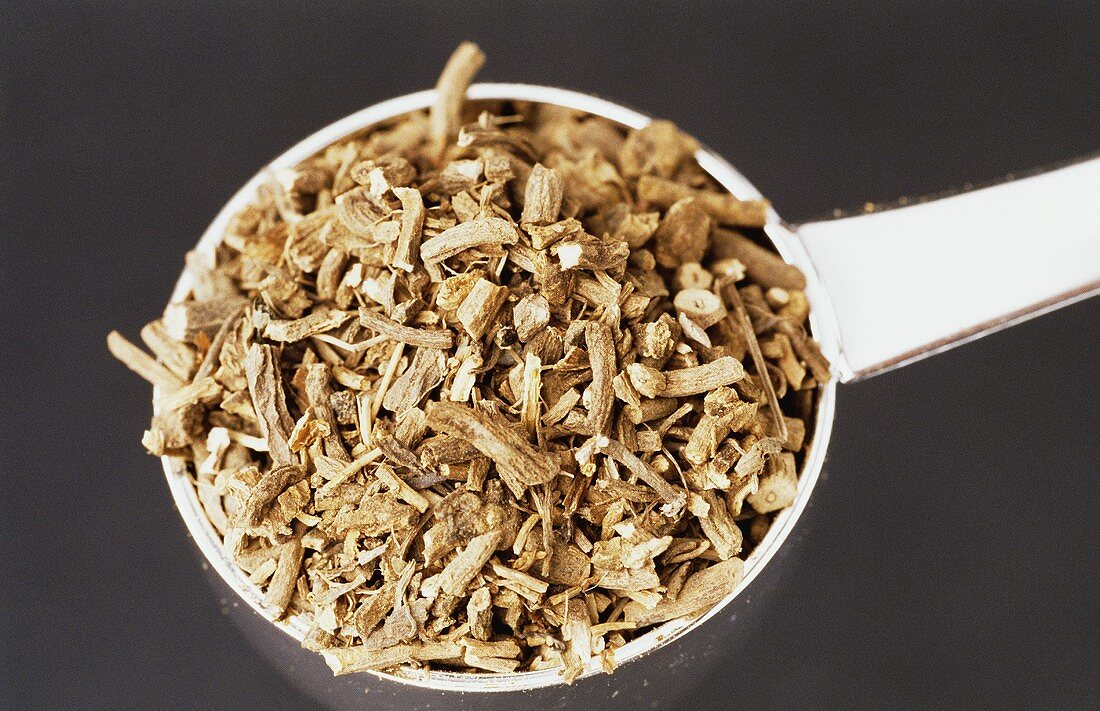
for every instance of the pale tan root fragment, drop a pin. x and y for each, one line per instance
(453, 290)
(702, 378)
(693, 331)
(496, 665)
(463, 567)
(646, 380)
(265, 385)
(625, 391)
(445, 115)
(532, 390)
(487, 232)
(674, 498)
(479, 309)
(577, 634)
(319, 395)
(348, 660)
(330, 273)
(601, 355)
(543, 197)
(178, 357)
(651, 409)
(683, 235)
(407, 251)
(213, 353)
(401, 489)
(723, 207)
(779, 349)
(719, 526)
(375, 515)
(530, 315)
(308, 430)
(184, 320)
(142, 363)
(703, 307)
(692, 275)
(514, 456)
(543, 236)
(503, 648)
(383, 385)
(659, 148)
(702, 590)
(517, 576)
(723, 411)
(497, 657)
(562, 407)
(753, 461)
(591, 253)
(421, 337)
(479, 614)
(291, 331)
(778, 485)
(266, 490)
(425, 372)
(762, 265)
(283, 581)
(741, 319)
(796, 434)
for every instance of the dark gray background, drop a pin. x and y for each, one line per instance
(947, 559)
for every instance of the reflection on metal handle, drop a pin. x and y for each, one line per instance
(914, 281)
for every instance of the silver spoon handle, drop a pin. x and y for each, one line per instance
(914, 281)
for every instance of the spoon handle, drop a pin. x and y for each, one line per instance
(910, 282)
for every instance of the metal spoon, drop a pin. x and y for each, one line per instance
(886, 289)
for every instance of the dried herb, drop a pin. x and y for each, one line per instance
(488, 387)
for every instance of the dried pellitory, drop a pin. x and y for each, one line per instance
(491, 387)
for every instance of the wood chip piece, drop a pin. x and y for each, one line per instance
(184, 320)
(577, 634)
(591, 253)
(659, 148)
(674, 498)
(648, 381)
(319, 395)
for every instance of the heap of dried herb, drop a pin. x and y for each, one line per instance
(488, 388)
